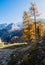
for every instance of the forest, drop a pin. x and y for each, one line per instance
(33, 29)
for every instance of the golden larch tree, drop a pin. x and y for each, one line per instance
(34, 13)
(26, 26)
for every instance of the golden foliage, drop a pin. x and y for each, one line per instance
(31, 27)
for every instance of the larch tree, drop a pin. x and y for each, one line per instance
(26, 25)
(34, 13)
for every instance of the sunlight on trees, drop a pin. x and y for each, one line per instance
(32, 29)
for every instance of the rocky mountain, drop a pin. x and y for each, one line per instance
(12, 27)
(8, 31)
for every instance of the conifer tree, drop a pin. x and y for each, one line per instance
(34, 13)
(26, 25)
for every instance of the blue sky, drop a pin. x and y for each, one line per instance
(12, 10)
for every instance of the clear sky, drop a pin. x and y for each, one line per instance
(12, 10)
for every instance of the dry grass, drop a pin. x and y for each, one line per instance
(1, 45)
(12, 45)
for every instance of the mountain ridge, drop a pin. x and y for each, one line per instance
(8, 31)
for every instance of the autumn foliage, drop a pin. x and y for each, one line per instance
(32, 29)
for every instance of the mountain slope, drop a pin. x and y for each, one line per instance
(10, 31)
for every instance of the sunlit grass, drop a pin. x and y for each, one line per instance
(1, 45)
(12, 46)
